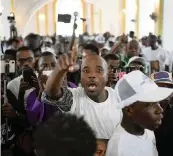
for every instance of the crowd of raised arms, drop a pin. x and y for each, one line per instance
(106, 96)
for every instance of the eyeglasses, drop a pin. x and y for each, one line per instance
(23, 60)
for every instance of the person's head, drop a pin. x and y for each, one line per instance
(65, 135)
(34, 42)
(152, 40)
(94, 75)
(113, 62)
(13, 43)
(47, 61)
(105, 51)
(101, 147)
(25, 58)
(133, 48)
(89, 49)
(163, 79)
(144, 41)
(139, 97)
(136, 63)
(132, 34)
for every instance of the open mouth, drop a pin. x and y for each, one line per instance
(92, 87)
(159, 122)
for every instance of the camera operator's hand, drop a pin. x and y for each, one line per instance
(24, 86)
(67, 62)
(8, 111)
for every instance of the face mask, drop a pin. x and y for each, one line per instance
(47, 73)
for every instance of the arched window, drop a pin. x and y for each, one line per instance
(69, 7)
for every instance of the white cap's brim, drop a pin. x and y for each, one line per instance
(156, 95)
(137, 59)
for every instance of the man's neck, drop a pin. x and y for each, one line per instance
(154, 47)
(131, 127)
(100, 98)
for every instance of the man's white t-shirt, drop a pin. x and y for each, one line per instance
(159, 54)
(102, 117)
(123, 143)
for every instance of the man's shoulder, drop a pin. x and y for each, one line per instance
(14, 82)
(116, 142)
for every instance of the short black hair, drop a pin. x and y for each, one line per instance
(65, 135)
(47, 53)
(111, 57)
(23, 48)
(91, 47)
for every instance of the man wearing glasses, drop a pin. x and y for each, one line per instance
(164, 134)
(14, 110)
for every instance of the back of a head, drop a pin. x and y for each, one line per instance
(33, 41)
(65, 135)
(92, 48)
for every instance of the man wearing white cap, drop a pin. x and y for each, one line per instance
(139, 97)
(136, 63)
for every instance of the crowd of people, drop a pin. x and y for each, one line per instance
(107, 96)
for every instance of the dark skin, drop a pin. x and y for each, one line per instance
(101, 148)
(94, 70)
(152, 40)
(140, 116)
(66, 63)
(133, 48)
(112, 76)
(47, 62)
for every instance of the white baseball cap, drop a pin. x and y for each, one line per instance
(136, 86)
(48, 49)
(100, 39)
(137, 59)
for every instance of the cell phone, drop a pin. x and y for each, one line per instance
(7, 67)
(28, 74)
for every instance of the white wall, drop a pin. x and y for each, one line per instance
(5, 28)
(168, 25)
(111, 16)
